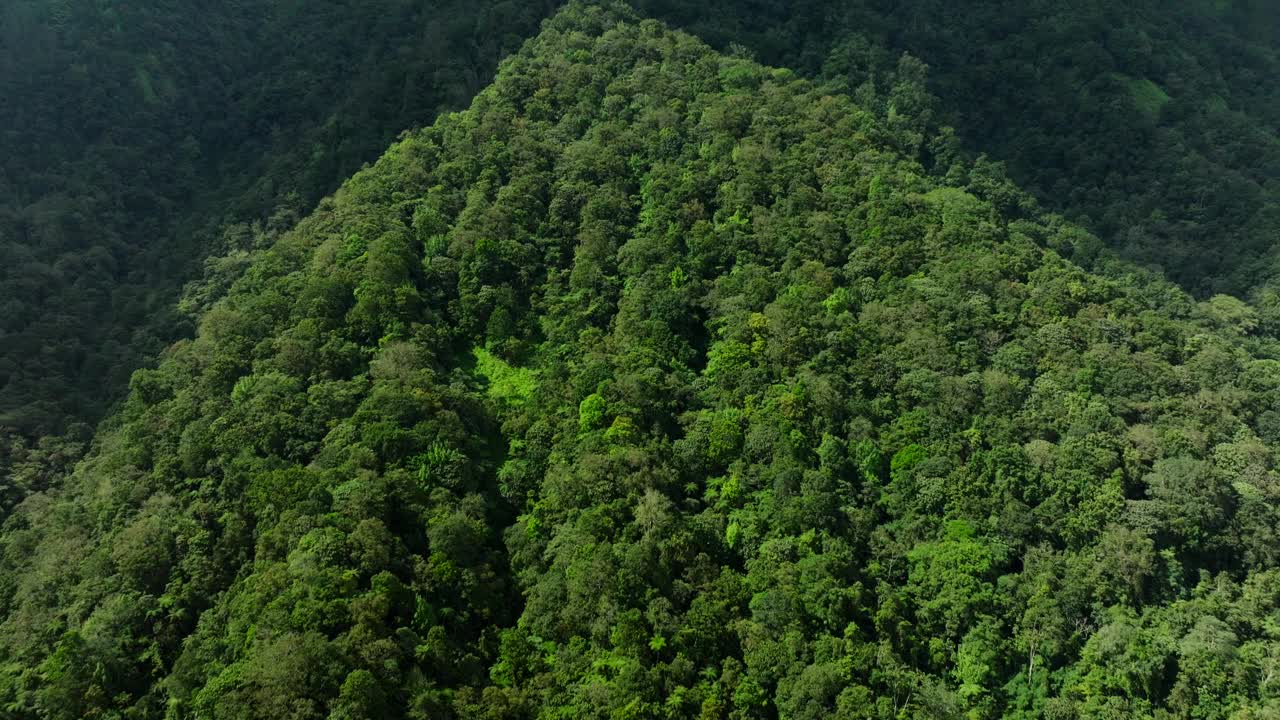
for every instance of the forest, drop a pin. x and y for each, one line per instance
(669, 360)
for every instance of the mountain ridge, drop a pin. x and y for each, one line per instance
(1154, 128)
(659, 383)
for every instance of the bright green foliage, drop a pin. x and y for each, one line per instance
(1149, 97)
(591, 412)
(662, 384)
(506, 384)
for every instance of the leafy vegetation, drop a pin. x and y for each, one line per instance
(1153, 124)
(141, 138)
(662, 384)
(506, 383)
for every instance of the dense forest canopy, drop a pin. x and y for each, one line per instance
(659, 383)
(1152, 123)
(141, 138)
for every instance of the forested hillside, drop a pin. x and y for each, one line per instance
(1154, 123)
(140, 138)
(661, 384)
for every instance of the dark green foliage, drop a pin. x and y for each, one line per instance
(1152, 123)
(141, 138)
(663, 384)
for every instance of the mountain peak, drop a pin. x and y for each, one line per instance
(660, 383)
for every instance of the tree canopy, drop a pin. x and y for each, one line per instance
(662, 384)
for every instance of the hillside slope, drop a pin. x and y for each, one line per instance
(662, 384)
(141, 138)
(1155, 124)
